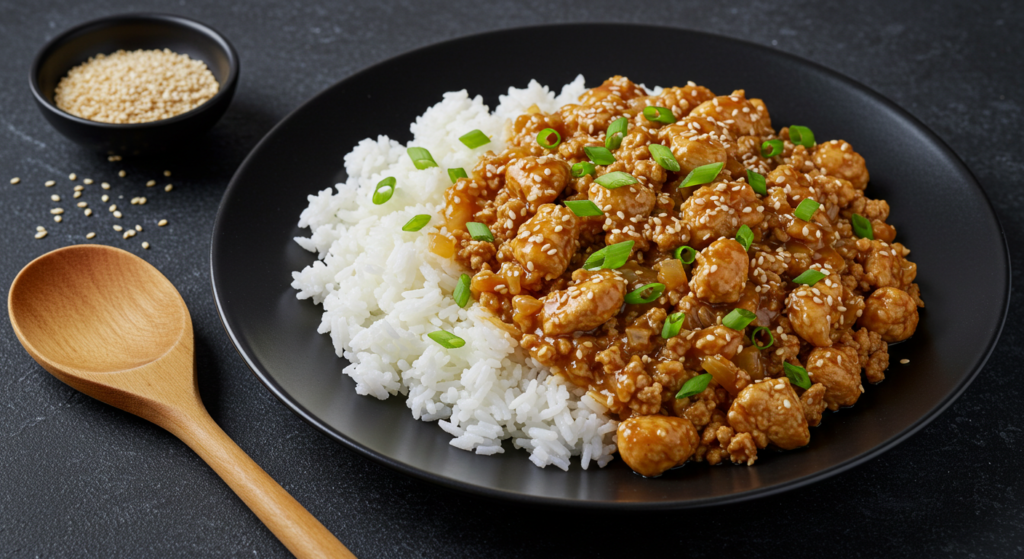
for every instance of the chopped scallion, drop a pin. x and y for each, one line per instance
(456, 174)
(446, 339)
(702, 175)
(663, 156)
(615, 180)
(462, 291)
(609, 257)
(616, 132)
(685, 254)
(673, 324)
(771, 148)
(738, 319)
(544, 138)
(583, 208)
(757, 332)
(385, 189)
(801, 135)
(659, 114)
(474, 139)
(806, 209)
(421, 158)
(694, 386)
(756, 182)
(599, 155)
(416, 223)
(862, 227)
(479, 232)
(745, 237)
(809, 277)
(583, 168)
(652, 291)
(797, 375)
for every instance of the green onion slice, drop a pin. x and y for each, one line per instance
(756, 182)
(544, 138)
(462, 291)
(583, 168)
(456, 174)
(599, 155)
(685, 254)
(583, 208)
(771, 148)
(757, 331)
(806, 209)
(384, 191)
(479, 232)
(616, 132)
(797, 375)
(421, 158)
(745, 236)
(738, 319)
(801, 135)
(659, 114)
(694, 386)
(673, 324)
(615, 180)
(474, 139)
(702, 175)
(446, 339)
(609, 257)
(663, 156)
(416, 223)
(809, 277)
(653, 291)
(862, 227)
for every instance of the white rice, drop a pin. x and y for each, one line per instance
(383, 291)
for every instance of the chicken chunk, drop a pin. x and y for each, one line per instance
(885, 265)
(623, 206)
(892, 313)
(537, 180)
(771, 412)
(595, 297)
(721, 272)
(719, 211)
(653, 444)
(813, 311)
(837, 158)
(838, 369)
(739, 116)
(546, 242)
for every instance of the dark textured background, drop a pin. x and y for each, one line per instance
(79, 478)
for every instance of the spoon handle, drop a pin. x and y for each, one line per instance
(297, 529)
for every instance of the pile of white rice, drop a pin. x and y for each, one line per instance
(383, 291)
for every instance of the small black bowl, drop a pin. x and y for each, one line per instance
(131, 32)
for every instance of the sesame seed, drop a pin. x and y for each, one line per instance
(48, 184)
(904, 361)
(162, 222)
(138, 228)
(104, 198)
(113, 207)
(105, 185)
(77, 195)
(55, 198)
(57, 211)
(90, 235)
(58, 218)
(88, 212)
(118, 228)
(40, 234)
(150, 183)
(170, 187)
(121, 173)
(15, 180)
(167, 173)
(87, 181)
(786, 403)
(117, 215)
(72, 176)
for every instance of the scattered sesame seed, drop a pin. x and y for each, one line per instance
(55, 198)
(162, 222)
(48, 184)
(72, 176)
(138, 228)
(117, 215)
(170, 187)
(77, 195)
(105, 198)
(121, 173)
(57, 211)
(88, 212)
(83, 204)
(90, 235)
(904, 361)
(58, 218)
(167, 173)
(150, 183)
(41, 234)
(118, 228)
(40, 228)
(105, 185)
(15, 180)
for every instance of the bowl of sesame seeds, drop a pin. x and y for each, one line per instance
(135, 83)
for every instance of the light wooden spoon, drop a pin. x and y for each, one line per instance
(110, 325)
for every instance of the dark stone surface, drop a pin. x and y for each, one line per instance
(80, 478)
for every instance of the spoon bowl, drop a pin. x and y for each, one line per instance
(110, 325)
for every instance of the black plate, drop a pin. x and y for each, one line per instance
(938, 207)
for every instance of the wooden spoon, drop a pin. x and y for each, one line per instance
(110, 325)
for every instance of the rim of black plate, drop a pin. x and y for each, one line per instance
(310, 418)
